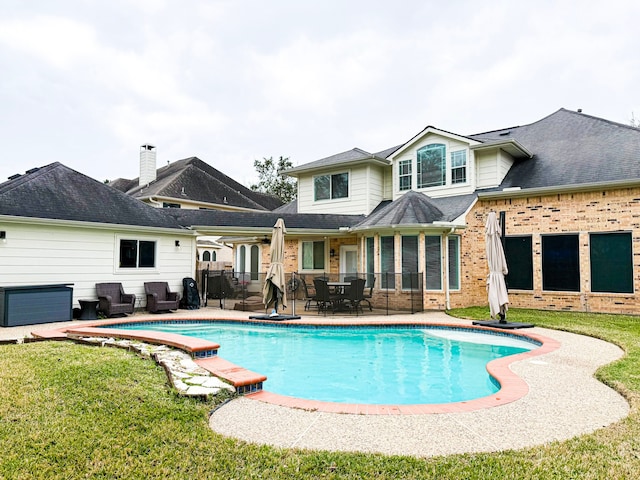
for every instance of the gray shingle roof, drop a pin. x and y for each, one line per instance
(193, 179)
(571, 148)
(221, 218)
(58, 192)
(415, 208)
(349, 157)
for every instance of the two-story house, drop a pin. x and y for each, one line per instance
(567, 189)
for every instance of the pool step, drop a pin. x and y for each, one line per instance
(243, 380)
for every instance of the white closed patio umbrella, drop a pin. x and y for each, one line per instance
(274, 291)
(496, 286)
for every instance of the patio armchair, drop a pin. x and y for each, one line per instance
(160, 298)
(113, 301)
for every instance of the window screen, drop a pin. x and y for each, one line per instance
(409, 262)
(611, 262)
(454, 262)
(433, 263)
(519, 256)
(387, 262)
(560, 263)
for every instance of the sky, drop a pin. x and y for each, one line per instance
(87, 82)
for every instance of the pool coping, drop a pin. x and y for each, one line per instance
(512, 386)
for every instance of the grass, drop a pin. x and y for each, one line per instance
(73, 411)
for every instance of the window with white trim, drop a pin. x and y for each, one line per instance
(431, 165)
(313, 255)
(459, 166)
(137, 253)
(327, 187)
(404, 174)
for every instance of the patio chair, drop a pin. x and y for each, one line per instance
(160, 298)
(356, 294)
(368, 296)
(324, 298)
(309, 294)
(113, 301)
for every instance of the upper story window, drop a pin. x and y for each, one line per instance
(331, 186)
(404, 174)
(432, 165)
(459, 166)
(137, 254)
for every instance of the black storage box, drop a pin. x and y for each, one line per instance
(32, 304)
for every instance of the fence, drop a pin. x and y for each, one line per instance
(385, 293)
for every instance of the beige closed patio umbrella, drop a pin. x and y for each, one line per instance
(496, 286)
(274, 291)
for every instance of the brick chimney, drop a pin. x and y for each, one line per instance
(147, 164)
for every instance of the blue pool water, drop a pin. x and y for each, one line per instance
(367, 365)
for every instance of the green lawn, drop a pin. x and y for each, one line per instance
(72, 411)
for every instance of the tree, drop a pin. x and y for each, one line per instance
(634, 122)
(272, 181)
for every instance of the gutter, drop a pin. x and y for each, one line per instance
(517, 192)
(95, 225)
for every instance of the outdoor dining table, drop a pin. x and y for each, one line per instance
(339, 288)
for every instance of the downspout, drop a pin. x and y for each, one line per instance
(447, 304)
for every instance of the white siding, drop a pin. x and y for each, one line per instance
(486, 169)
(365, 192)
(505, 161)
(492, 166)
(39, 255)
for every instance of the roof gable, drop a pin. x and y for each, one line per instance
(58, 192)
(430, 130)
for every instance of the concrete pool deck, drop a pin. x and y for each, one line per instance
(563, 400)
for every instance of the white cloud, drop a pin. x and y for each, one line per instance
(317, 75)
(58, 41)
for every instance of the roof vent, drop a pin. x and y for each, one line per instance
(506, 132)
(32, 170)
(13, 177)
(579, 110)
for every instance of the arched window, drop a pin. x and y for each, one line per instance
(214, 256)
(432, 165)
(255, 261)
(206, 257)
(242, 259)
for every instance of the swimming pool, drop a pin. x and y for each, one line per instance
(365, 365)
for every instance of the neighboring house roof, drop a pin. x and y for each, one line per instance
(350, 157)
(192, 179)
(291, 207)
(571, 148)
(235, 222)
(58, 192)
(413, 209)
